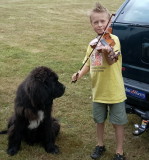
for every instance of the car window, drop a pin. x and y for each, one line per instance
(136, 11)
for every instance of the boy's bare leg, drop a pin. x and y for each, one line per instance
(100, 134)
(100, 148)
(119, 134)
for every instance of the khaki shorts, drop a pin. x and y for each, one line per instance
(117, 113)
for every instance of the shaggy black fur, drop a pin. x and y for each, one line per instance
(32, 120)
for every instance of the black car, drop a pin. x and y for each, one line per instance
(131, 25)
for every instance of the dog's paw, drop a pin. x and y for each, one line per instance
(54, 149)
(12, 151)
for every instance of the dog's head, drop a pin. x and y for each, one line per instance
(42, 86)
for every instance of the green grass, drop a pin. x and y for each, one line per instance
(55, 33)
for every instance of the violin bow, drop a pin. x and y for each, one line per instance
(93, 48)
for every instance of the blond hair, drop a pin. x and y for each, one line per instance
(99, 9)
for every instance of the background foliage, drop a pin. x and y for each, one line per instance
(55, 33)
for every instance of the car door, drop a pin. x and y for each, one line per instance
(131, 25)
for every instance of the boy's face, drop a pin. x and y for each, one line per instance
(99, 22)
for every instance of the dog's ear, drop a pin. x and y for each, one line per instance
(37, 93)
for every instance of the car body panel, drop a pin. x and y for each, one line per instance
(131, 25)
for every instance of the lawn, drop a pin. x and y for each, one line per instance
(55, 33)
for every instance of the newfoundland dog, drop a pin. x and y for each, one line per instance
(32, 120)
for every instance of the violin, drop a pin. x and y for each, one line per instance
(106, 40)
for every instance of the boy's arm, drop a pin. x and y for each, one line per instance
(111, 53)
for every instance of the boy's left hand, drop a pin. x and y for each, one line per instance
(113, 56)
(110, 55)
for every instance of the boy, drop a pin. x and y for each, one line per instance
(107, 84)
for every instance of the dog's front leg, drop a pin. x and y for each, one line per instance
(49, 138)
(14, 137)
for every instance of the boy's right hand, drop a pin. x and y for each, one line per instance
(75, 77)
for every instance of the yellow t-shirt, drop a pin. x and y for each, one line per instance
(106, 80)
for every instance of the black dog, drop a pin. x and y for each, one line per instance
(32, 120)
